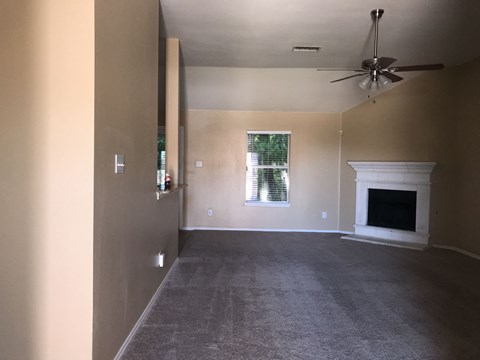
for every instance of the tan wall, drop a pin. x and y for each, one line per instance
(413, 122)
(172, 111)
(46, 187)
(218, 138)
(468, 143)
(131, 226)
(268, 89)
(51, 102)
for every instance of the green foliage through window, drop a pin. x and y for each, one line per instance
(268, 167)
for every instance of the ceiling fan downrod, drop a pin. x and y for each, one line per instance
(376, 15)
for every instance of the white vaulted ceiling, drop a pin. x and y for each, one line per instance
(261, 33)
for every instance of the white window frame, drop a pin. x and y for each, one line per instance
(259, 203)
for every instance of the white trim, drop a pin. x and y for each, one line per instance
(191, 228)
(377, 241)
(266, 132)
(461, 251)
(144, 314)
(270, 166)
(339, 172)
(278, 204)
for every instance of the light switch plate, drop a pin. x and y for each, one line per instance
(161, 259)
(198, 163)
(119, 164)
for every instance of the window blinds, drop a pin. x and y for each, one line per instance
(268, 160)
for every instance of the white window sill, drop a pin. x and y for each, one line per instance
(278, 204)
(175, 189)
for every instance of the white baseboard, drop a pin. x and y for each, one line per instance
(188, 228)
(461, 251)
(144, 314)
(399, 244)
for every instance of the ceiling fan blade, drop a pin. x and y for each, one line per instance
(336, 69)
(416, 68)
(348, 77)
(392, 76)
(385, 62)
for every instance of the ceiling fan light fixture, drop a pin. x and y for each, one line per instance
(384, 81)
(366, 83)
(374, 82)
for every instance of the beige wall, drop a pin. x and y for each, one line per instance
(131, 226)
(468, 144)
(172, 110)
(46, 187)
(418, 121)
(218, 138)
(269, 89)
(78, 85)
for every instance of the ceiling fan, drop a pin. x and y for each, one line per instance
(378, 70)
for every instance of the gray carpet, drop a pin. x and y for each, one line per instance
(252, 295)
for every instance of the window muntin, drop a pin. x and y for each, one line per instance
(268, 167)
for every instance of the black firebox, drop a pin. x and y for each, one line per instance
(392, 209)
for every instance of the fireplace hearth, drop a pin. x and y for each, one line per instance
(392, 202)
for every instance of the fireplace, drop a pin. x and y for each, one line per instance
(392, 201)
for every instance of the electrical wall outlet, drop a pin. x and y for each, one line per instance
(324, 214)
(210, 212)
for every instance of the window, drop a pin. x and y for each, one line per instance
(161, 140)
(268, 160)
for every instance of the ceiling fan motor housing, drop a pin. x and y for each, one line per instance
(377, 13)
(370, 64)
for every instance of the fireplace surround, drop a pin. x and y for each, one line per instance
(406, 177)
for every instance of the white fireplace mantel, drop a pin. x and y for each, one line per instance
(406, 176)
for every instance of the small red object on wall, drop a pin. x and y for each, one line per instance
(168, 182)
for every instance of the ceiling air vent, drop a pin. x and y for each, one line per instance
(306, 48)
